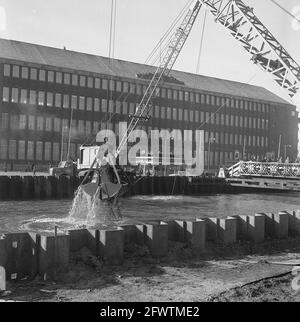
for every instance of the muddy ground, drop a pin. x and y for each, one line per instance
(243, 272)
(270, 290)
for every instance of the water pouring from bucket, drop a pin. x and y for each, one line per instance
(97, 198)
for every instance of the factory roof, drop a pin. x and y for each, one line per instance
(42, 55)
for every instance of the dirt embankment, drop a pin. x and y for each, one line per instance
(242, 272)
(276, 289)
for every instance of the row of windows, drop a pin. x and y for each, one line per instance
(126, 87)
(224, 138)
(210, 118)
(41, 98)
(51, 151)
(218, 159)
(49, 124)
(35, 150)
(237, 139)
(53, 77)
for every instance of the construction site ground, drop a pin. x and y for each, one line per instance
(241, 272)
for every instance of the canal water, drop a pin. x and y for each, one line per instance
(43, 216)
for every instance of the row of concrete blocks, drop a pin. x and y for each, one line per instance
(27, 255)
(29, 187)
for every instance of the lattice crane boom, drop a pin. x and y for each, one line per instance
(175, 46)
(241, 22)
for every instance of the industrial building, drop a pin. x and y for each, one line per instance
(45, 91)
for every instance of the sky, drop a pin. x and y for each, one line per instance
(84, 26)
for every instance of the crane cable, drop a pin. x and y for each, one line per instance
(166, 40)
(112, 29)
(224, 105)
(111, 54)
(167, 33)
(201, 42)
(285, 10)
(112, 38)
(156, 49)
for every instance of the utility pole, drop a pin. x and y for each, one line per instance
(285, 148)
(69, 139)
(62, 144)
(244, 149)
(279, 147)
(211, 140)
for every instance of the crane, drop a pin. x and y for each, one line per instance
(176, 44)
(242, 24)
(112, 190)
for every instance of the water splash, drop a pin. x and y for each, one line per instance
(85, 212)
(93, 210)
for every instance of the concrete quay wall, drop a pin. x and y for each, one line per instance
(37, 187)
(47, 187)
(26, 255)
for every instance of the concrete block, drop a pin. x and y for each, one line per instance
(191, 232)
(297, 223)
(93, 241)
(228, 230)
(177, 231)
(18, 255)
(251, 228)
(269, 225)
(78, 239)
(281, 225)
(277, 225)
(2, 279)
(257, 228)
(111, 248)
(154, 236)
(53, 255)
(131, 233)
(242, 227)
(3, 254)
(84, 238)
(157, 239)
(141, 234)
(196, 234)
(294, 222)
(212, 228)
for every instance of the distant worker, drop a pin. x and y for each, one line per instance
(33, 169)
